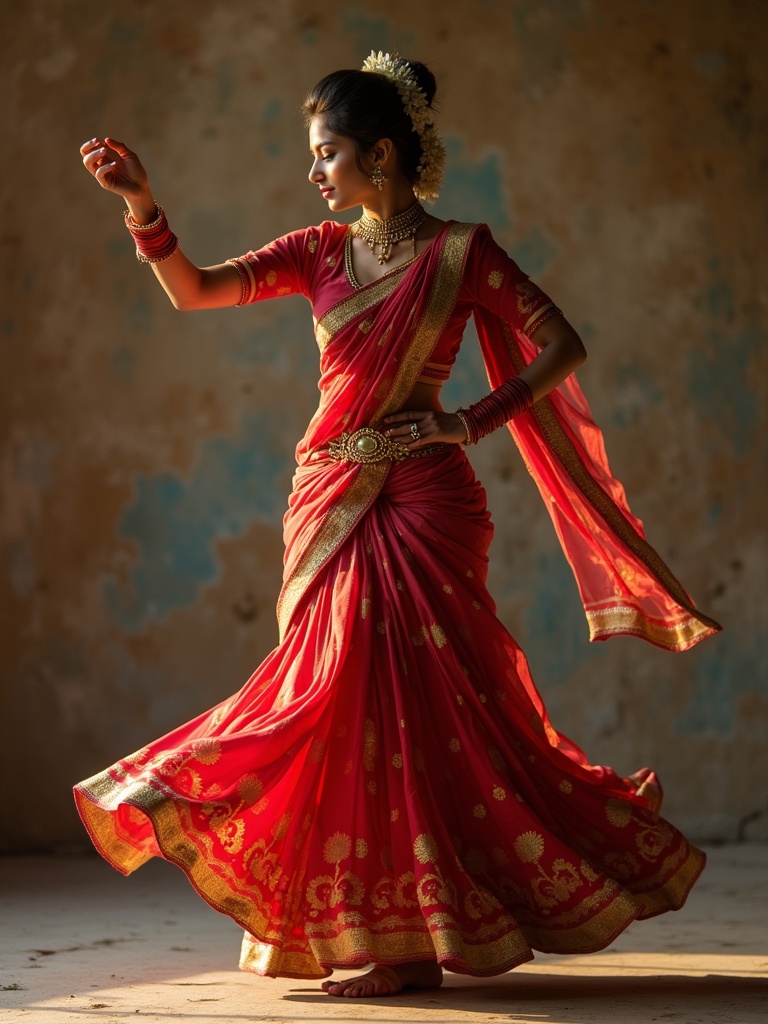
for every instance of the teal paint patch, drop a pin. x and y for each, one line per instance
(635, 390)
(174, 524)
(713, 65)
(124, 363)
(270, 128)
(223, 84)
(534, 253)
(720, 373)
(286, 344)
(556, 634)
(473, 191)
(725, 671)
(371, 33)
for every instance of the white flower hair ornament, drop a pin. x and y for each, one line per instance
(432, 162)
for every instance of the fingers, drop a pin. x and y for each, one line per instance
(412, 429)
(119, 147)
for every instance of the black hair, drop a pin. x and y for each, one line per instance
(365, 106)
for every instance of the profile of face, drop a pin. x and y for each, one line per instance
(335, 169)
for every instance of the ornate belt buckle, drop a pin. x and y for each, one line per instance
(365, 445)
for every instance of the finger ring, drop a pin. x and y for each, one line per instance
(415, 432)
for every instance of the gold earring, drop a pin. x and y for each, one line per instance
(378, 177)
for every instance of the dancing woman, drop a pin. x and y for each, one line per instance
(387, 788)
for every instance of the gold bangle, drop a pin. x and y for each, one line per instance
(131, 224)
(468, 439)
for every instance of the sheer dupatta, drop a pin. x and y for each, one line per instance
(624, 584)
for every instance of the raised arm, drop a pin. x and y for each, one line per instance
(118, 169)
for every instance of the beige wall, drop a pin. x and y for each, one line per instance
(618, 149)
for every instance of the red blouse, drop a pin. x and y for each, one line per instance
(311, 262)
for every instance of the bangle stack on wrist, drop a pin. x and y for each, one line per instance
(504, 403)
(155, 242)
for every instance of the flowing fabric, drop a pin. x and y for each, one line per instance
(387, 786)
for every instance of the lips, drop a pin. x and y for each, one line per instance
(326, 192)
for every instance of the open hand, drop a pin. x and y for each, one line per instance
(414, 430)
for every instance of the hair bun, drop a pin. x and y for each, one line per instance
(425, 80)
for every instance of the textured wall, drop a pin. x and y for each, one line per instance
(617, 147)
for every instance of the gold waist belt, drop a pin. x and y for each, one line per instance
(369, 445)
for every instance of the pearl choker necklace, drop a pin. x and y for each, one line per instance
(386, 233)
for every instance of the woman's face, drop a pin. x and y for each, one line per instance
(334, 168)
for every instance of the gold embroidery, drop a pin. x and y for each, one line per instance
(361, 848)
(371, 787)
(499, 793)
(455, 745)
(337, 848)
(365, 607)
(250, 788)
(370, 746)
(447, 588)
(618, 813)
(495, 278)
(565, 786)
(529, 847)
(271, 277)
(479, 810)
(397, 760)
(438, 635)
(425, 849)
(349, 308)
(312, 245)
(337, 525)
(365, 325)
(394, 814)
(331, 261)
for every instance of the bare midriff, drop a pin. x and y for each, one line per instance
(424, 398)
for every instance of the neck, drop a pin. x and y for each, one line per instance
(390, 203)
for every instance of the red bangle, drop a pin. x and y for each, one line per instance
(513, 397)
(155, 242)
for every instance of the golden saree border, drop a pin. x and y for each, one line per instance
(342, 517)
(352, 306)
(622, 617)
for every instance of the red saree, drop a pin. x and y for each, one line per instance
(387, 785)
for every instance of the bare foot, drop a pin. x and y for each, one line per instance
(388, 980)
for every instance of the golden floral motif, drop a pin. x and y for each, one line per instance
(361, 848)
(565, 786)
(394, 814)
(312, 245)
(564, 881)
(618, 813)
(482, 698)
(652, 841)
(337, 848)
(280, 827)
(331, 261)
(348, 766)
(438, 635)
(499, 793)
(433, 889)
(623, 865)
(397, 760)
(425, 848)
(271, 277)
(447, 588)
(381, 628)
(365, 325)
(479, 903)
(370, 745)
(454, 745)
(528, 295)
(495, 278)
(588, 871)
(529, 847)
(231, 835)
(365, 607)
(316, 751)
(372, 787)
(459, 699)
(479, 810)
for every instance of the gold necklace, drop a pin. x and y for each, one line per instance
(386, 233)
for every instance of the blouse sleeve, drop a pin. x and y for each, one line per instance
(281, 268)
(494, 281)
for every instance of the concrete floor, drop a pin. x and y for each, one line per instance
(81, 943)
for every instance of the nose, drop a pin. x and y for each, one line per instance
(315, 172)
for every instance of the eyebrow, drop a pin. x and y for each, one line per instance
(319, 145)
